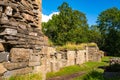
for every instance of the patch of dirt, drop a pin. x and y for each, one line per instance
(67, 77)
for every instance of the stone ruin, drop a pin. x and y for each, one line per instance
(23, 46)
(58, 59)
(21, 38)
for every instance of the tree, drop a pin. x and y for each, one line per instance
(68, 26)
(94, 34)
(109, 25)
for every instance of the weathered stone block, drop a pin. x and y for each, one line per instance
(2, 69)
(34, 63)
(18, 72)
(0, 77)
(71, 57)
(19, 54)
(12, 66)
(8, 11)
(33, 34)
(34, 58)
(1, 47)
(28, 17)
(4, 56)
(81, 57)
(9, 31)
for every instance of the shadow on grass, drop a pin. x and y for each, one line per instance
(97, 75)
(94, 75)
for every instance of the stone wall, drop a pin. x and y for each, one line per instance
(21, 38)
(23, 47)
(94, 54)
(55, 60)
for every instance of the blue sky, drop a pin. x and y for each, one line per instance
(91, 8)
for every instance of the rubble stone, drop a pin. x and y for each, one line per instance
(19, 55)
(1, 47)
(2, 69)
(4, 56)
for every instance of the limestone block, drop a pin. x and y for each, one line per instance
(0, 77)
(34, 63)
(4, 17)
(81, 57)
(34, 58)
(8, 11)
(27, 17)
(9, 31)
(18, 72)
(1, 47)
(33, 34)
(59, 56)
(20, 54)
(2, 69)
(4, 56)
(12, 66)
(71, 57)
(38, 69)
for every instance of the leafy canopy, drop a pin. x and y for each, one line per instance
(109, 25)
(68, 26)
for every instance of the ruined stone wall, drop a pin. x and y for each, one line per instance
(94, 54)
(21, 38)
(55, 60)
(23, 47)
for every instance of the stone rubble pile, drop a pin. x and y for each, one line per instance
(114, 61)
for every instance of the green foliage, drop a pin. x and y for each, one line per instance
(94, 34)
(96, 74)
(109, 25)
(73, 46)
(68, 26)
(27, 77)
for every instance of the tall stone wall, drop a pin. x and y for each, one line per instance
(21, 38)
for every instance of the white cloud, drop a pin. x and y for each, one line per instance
(46, 18)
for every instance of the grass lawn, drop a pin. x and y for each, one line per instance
(77, 68)
(26, 77)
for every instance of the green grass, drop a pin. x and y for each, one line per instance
(77, 68)
(73, 46)
(97, 73)
(36, 76)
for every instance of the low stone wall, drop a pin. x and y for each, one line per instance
(55, 60)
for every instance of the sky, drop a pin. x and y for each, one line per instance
(91, 8)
